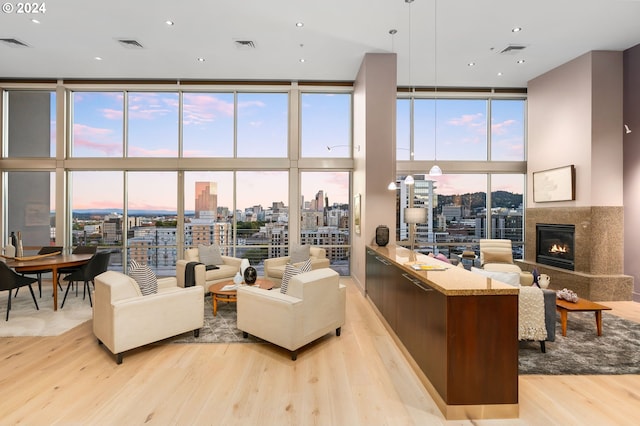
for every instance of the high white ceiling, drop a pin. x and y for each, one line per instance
(335, 36)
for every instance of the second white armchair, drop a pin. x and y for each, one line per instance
(274, 267)
(313, 306)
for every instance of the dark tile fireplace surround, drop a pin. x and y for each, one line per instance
(598, 253)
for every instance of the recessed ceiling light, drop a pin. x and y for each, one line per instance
(521, 61)
(169, 22)
(35, 21)
(516, 30)
(301, 60)
(499, 74)
(471, 64)
(98, 58)
(299, 24)
(200, 59)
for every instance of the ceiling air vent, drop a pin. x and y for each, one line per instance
(513, 48)
(13, 42)
(245, 44)
(130, 43)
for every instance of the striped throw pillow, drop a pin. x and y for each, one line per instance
(290, 271)
(144, 277)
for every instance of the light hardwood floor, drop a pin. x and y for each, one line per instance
(360, 378)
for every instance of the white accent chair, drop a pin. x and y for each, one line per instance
(497, 255)
(124, 319)
(274, 267)
(313, 306)
(204, 278)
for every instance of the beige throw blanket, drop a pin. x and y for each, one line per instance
(531, 324)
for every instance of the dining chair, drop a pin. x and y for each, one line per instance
(76, 250)
(10, 280)
(86, 273)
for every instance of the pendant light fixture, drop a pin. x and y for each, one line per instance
(392, 184)
(409, 179)
(435, 169)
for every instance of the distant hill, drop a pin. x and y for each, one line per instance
(477, 200)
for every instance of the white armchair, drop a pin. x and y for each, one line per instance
(274, 267)
(496, 255)
(313, 306)
(124, 319)
(204, 278)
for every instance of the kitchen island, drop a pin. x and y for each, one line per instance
(459, 330)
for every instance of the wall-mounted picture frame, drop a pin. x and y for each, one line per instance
(36, 214)
(557, 184)
(356, 214)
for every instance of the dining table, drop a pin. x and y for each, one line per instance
(49, 264)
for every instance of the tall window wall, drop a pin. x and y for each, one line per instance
(149, 173)
(479, 143)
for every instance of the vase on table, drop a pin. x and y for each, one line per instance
(237, 279)
(250, 275)
(244, 264)
(19, 250)
(9, 249)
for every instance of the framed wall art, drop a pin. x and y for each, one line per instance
(356, 214)
(554, 184)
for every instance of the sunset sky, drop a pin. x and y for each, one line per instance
(208, 129)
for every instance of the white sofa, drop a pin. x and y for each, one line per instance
(124, 319)
(204, 278)
(274, 267)
(313, 306)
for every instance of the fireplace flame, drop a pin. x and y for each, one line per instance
(558, 249)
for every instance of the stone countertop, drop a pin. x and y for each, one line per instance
(453, 281)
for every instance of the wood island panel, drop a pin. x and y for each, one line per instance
(458, 328)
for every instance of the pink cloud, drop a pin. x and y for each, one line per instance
(136, 151)
(471, 120)
(108, 149)
(96, 139)
(248, 104)
(112, 114)
(502, 128)
(148, 106)
(201, 108)
(97, 204)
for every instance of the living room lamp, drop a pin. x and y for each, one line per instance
(413, 216)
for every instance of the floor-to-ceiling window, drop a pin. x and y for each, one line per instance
(146, 171)
(478, 141)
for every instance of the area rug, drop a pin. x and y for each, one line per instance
(218, 329)
(582, 351)
(25, 320)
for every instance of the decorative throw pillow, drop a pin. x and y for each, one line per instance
(442, 257)
(210, 255)
(144, 277)
(511, 278)
(496, 257)
(299, 253)
(290, 271)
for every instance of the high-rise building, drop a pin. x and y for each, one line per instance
(206, 200)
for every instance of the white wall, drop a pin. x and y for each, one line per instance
(575, 117)
(374, 116)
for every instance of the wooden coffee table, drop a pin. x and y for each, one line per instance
(582, 305)
(218, 295)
